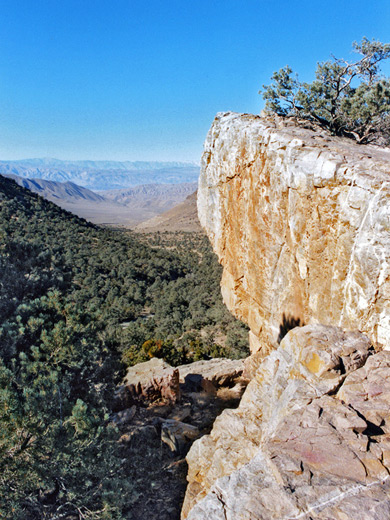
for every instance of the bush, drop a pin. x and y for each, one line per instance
(349, 99)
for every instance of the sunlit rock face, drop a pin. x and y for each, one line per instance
(301, 224)
(310, 439)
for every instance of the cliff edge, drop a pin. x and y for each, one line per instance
(300, 222)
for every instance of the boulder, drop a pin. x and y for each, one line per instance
(218, 371)
(148, 382)
(304, 441)
(367, 391)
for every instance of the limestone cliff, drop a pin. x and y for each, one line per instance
(300, 222)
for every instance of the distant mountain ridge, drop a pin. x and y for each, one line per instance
(53, 190)
(103, 175)
(99, 165)
(127, 207)
(163, 192)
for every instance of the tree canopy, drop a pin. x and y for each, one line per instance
(348, 98)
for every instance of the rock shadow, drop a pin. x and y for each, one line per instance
(288, 322)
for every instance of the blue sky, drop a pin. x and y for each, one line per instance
(143, 79)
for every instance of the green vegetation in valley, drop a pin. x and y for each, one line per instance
(349, 99)
(78, 303)
(187, 319)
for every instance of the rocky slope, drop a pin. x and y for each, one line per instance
(300, 222)
(150, 201)
(310, 439)
(183, 217)
(160, 411)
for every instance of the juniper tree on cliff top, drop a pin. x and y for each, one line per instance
(349, 99)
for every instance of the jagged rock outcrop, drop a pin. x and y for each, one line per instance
(300, 222)
(310, 439)
(147, 382)
(218, 371)
(155, 380)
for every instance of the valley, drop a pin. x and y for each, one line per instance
(67, 288)
(194, 260)
(126, 207)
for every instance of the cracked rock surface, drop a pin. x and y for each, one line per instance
(310, 439)
(300, 222)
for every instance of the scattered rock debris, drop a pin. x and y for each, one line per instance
(157, 434)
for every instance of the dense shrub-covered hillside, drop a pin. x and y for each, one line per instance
(77, 304)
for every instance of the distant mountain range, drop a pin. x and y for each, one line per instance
(61, 191)
(99, 165)
(167, 193)
(103, 175)
(127, 207)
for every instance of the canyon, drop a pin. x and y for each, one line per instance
(300, 222)
(126, 207)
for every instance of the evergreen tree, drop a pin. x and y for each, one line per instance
(66, 290)
(349, 99)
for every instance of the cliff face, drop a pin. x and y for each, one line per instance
(300, 222)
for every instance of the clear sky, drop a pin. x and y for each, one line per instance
(143, 79)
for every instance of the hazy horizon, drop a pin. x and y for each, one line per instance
(86, 160)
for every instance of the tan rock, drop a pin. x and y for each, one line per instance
(148, 382)
(293, 448)
(300, 222)
(323, 436)
(218, 371)
(368, 392)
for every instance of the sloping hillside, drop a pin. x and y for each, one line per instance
(73, 299)
(57, 191)
(183, 217)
